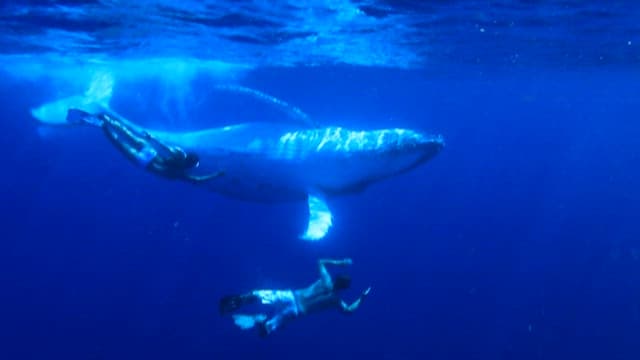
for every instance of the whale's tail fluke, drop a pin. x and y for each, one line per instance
(95, 99)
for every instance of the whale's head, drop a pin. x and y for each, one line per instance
(423, 146)
(403, 149)
(367, 157)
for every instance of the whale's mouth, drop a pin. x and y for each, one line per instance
(430, 145)
(429, 148)
(422, 148)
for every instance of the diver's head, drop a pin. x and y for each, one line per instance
(341, 282)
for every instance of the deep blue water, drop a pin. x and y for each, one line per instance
(519, 241)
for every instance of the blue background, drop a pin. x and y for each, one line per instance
(519, 241)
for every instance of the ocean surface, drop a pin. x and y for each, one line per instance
(520, 240)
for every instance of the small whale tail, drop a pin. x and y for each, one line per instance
(95, 99)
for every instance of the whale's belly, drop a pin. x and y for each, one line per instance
(272, 179)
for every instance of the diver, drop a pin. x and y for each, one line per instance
(291, 304)
(141, 148)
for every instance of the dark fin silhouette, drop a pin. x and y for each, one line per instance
(262, 329)
(231, 303)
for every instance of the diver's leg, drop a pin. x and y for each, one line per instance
(171, 157)
(77, 117)
(117, 127)
(278, 321)
(133, 147)
(174, 150)
(277, 297)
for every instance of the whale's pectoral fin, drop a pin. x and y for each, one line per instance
(320, 218)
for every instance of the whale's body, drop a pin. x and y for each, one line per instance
(273, 162)
(276, 162)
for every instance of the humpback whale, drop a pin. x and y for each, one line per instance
(276, 162)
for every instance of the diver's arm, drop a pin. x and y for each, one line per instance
(345, 261)
(322, 267)
(202, 178)
(348, 309)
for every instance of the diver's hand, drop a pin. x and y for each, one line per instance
(347, 261)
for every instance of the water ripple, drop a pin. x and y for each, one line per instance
(389, 33)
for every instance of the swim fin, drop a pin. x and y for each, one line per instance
(231, 303)
(78, 117)
(246, 322)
